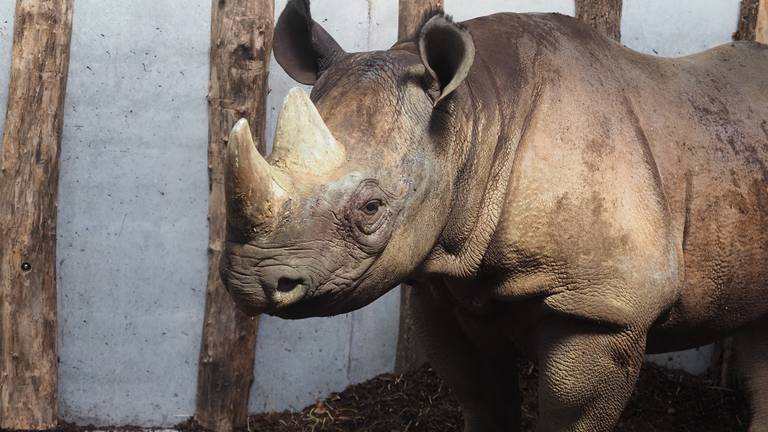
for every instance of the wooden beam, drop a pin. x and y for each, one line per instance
(29, 178)
(241, 43)
(603, 15)
(761, 28)
(747, 27)
(413, 13)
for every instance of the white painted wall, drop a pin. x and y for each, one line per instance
(678, 28)
(132, 230)
(133, 204)
(6, 37)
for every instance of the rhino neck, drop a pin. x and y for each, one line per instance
(495, 122)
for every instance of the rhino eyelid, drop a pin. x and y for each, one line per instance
(372, 210)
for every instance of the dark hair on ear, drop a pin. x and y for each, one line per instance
(440, 13)
(431, 13)
(301, 46)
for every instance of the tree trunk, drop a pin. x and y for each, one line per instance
(761, 28)
(29, 178)
(603, 15)
(747, 29)
(413, 13)
(241, 43)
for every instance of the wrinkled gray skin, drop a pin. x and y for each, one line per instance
(545, 189)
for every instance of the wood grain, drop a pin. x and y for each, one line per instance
(603, 15)
(29, 177)
(241, 43)
(413, 13)
(761, 28)
(747, 28)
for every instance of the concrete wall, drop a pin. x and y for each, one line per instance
(678, 28)
(133, 204)
(132, 211)
(7, 8)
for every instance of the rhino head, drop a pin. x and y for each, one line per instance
(358, 186)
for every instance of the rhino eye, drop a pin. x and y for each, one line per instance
(371, 207)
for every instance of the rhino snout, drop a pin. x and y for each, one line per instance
(284, 285)
(265, 290)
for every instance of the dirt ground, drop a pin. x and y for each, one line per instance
(665, 401)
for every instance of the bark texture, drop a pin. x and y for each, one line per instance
(761, 29)
(602, 15)
(241, 43)
(413, 13)
(29, 176)
(747, 20)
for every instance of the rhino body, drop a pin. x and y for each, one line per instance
(544, 189)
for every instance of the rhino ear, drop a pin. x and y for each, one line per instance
(301, 46)
(447, 51)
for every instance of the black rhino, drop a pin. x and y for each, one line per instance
(544, 188)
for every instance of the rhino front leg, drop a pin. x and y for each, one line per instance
(587, 374)
(486, 385)
(751, 346)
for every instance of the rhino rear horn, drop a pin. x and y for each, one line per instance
(303, 143)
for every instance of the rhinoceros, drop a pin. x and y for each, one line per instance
(543, 188)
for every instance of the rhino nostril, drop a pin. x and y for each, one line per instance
(286, 285)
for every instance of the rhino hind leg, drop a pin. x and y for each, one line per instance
(751, 350)
(486, 386)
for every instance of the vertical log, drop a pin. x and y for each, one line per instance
(29, 178)
(747, 28)
(761, 28)
(603, 15)
(241, 43)
(413, 13)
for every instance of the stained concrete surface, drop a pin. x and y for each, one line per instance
(7, 9)
(678, 28)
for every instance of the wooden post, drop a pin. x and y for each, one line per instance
(413, 13)
(241, 43)
(29, 178)
(761, 28)
(747, 28)
(603, 15)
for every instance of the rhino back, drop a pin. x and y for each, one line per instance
(631, 165)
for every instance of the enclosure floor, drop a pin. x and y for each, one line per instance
(665, 401)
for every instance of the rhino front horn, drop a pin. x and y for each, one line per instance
(303, 143)
(251, 190)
